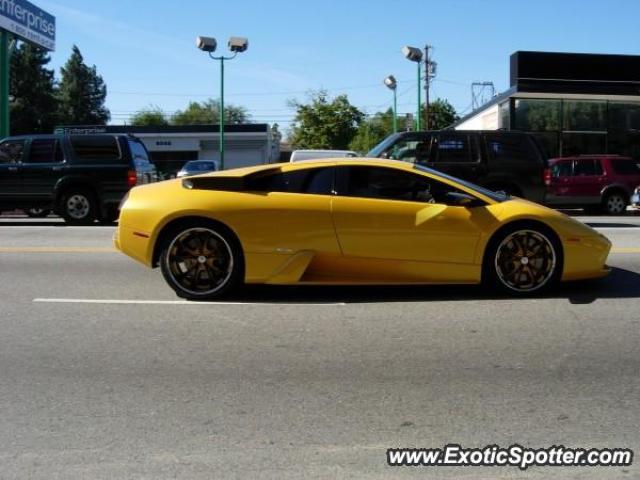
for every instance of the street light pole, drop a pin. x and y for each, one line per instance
(222, 58)
(419, 115)
(415, 55)
(392, 84)
(209, 45)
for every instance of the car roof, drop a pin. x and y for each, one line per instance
(318, 162)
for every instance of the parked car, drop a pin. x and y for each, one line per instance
(595, 182)
(512, 162)
(195, 167)
(350, 221)
(80, 177)
(298, 155)
(635, 198)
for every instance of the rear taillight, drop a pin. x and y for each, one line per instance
(132, 178)
(547, 176)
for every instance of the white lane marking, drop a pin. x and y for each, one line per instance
(618, 229)
(176, 302)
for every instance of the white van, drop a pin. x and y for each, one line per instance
(298, 155)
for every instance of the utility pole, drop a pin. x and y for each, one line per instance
(429, 74)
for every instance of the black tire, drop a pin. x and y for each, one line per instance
(37, 212)
(78, 206)
(201, 260)
(615, 203)
(509, 267)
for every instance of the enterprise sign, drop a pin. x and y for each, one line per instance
(28, 22)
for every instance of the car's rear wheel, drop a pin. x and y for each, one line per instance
(524, 260)
(615, 203)
(78, 206)
(201, 261)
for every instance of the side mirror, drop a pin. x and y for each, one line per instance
(458, 199)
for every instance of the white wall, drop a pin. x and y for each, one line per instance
(486, 120)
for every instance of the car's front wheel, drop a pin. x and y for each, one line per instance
(201, 261)
(524, 260)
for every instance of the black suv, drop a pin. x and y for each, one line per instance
(512, 162)
(80, 177)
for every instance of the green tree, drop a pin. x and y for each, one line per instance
(442, 114)
(324, 123)
(372, 131)
(150, 116)
(82, 93)
(32, 86)
(208, 112)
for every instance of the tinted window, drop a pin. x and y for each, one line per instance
(313, 180)
(625, 166)
(510, 148)
(97, 148)
(587, 167)
(138, 152)
(391, 184)
(45, 151)
(200, 166)
(561, 169)
(11, 151)
(453, 148)
(413, 148)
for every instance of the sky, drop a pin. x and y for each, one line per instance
(145, 49)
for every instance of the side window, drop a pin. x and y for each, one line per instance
(562, 169)
(318, 181)
(453, 148)
(411, 148)
(96, 148)
(623, 166)
(391, 184)
(11, 151)
(510, 147)
(587, 167)
(45, 151)
(138, 153)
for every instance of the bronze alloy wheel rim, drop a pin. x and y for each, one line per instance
(525, 260)
(199, 261)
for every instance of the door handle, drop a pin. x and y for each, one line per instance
(56, 169)
(13, 169)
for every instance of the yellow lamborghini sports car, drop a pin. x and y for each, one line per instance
(349, 221)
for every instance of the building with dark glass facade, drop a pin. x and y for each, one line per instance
(573, 103)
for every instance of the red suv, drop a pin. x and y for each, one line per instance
(593, 182)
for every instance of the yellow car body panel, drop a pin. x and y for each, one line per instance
(291, 238)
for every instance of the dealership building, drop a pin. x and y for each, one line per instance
(573, 103)
(170, 147)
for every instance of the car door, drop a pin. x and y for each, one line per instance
(403, 219)
(43, 165)
(11, 155)
(588, 180)
(560, 186)
(288, 212)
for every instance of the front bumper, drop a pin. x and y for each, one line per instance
(586, 257)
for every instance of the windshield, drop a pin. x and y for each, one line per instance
(498, 197)
(383, 146)
(200, 166)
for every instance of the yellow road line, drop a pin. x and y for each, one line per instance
(57, 250)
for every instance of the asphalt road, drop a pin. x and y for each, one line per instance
(286, 382)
